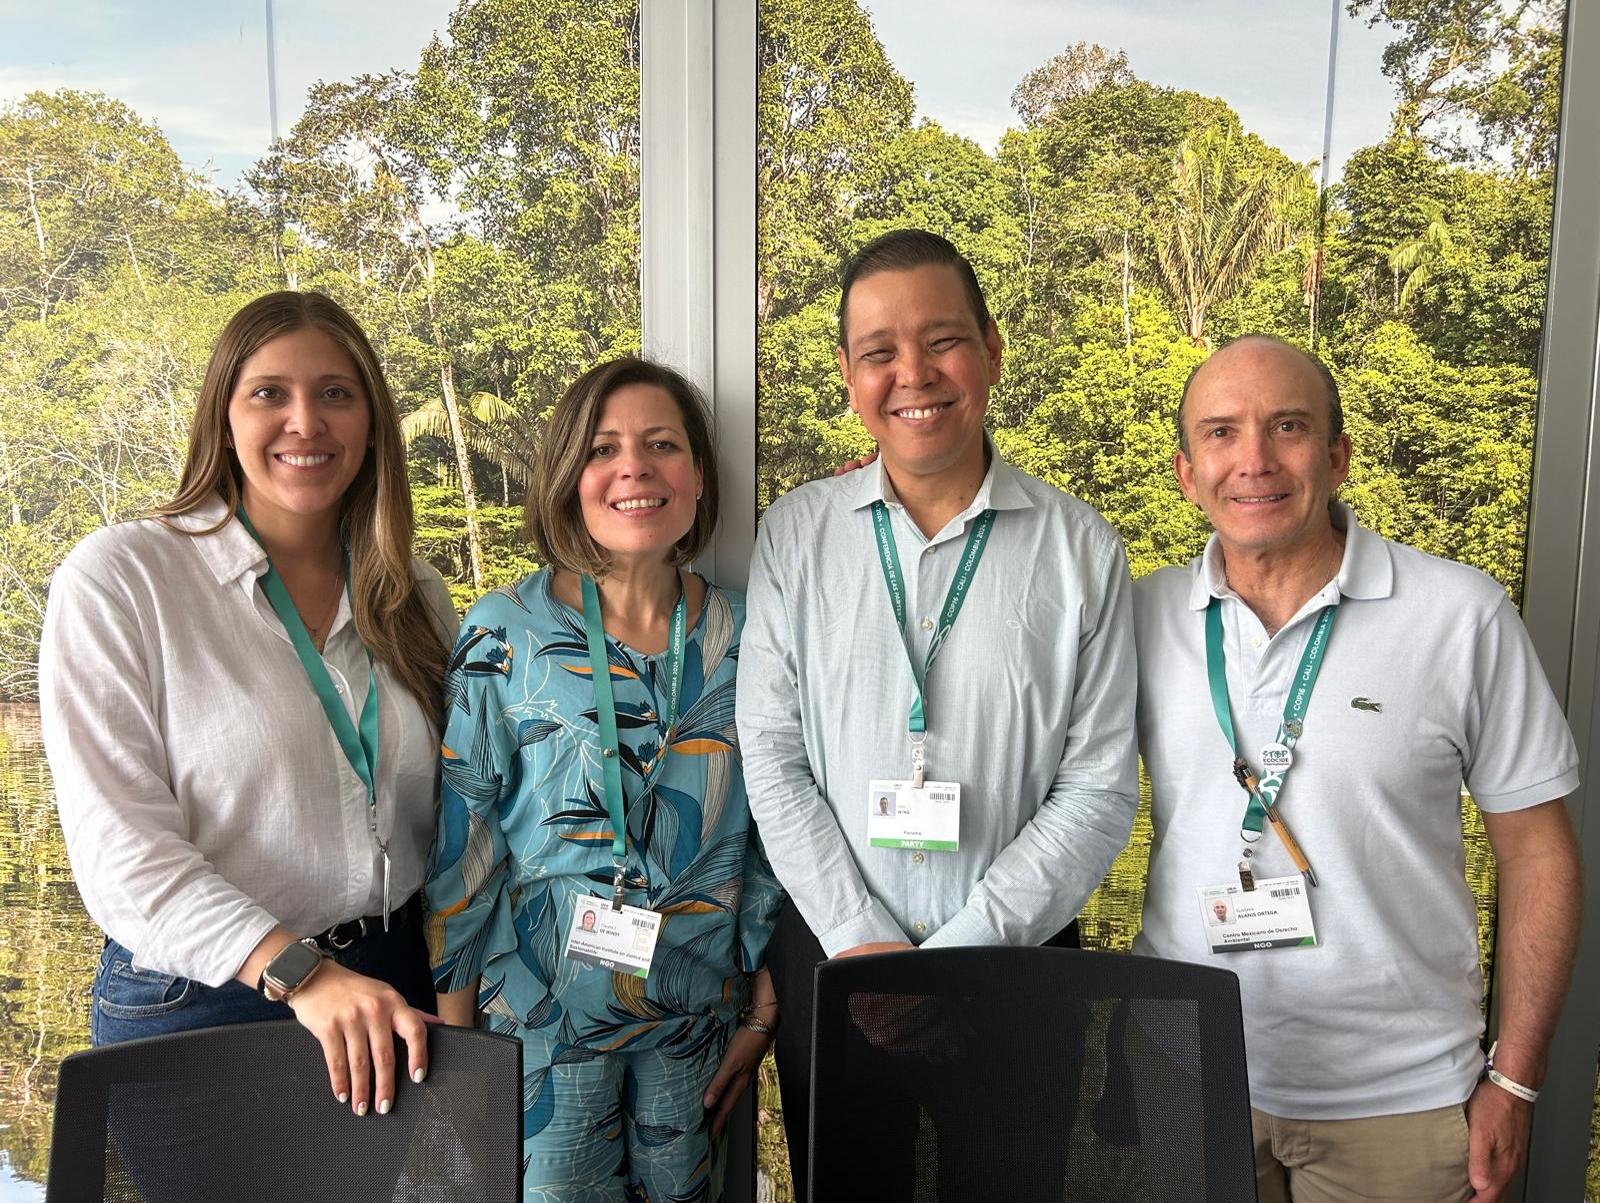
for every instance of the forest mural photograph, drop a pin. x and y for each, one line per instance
(477, 208)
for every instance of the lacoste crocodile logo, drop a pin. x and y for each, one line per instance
(1366, 704)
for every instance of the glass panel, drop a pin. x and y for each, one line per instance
(1591, 1189)
(467, 184)
(1052, 149)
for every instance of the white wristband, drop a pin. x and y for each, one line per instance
(1527, 1093)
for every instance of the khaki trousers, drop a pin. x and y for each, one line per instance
(1419, 1158)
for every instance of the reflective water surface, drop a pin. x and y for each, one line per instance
(48, 950)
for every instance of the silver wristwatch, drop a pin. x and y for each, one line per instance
(288, 972)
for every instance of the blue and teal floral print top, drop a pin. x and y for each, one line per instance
(523, 828)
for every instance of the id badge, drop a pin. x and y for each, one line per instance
(902, 816)
(1276, 914)
(622, 941)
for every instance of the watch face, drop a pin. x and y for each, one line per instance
(292, 966)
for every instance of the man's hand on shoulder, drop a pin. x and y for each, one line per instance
(861, 950)
(1497, 1140)
(850, 465)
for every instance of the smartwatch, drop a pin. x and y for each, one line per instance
(288, 972)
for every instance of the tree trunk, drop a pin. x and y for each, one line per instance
(447, 389)
(134, 259)
(1127, 292)
(38, 234)
(8, 478)
(447, 386)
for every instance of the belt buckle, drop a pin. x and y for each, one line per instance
(337, 943)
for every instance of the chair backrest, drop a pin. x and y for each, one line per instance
(1020, 1074)
(245, 1112)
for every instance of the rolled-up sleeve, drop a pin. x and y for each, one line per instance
(801, 836)
(141, 879)
(1038, 882)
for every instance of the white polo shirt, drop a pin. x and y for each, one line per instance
(1429, 679)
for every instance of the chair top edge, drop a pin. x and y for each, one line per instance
(903, 970)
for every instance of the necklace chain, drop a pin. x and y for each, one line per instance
(317, 630)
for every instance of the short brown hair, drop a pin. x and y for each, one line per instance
(553, 515)
(907, 250)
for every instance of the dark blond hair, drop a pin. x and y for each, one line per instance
(553, 515)
(375, 513)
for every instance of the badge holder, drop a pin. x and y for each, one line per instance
(621, 939)
(1276, 913)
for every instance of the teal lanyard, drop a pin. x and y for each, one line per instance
(605, 708)
(1294, 710)
(359, 744)
(894, 578)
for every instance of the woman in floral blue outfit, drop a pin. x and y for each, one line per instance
(628, 1076)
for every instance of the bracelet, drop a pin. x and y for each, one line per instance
(1526, 1093)
(759, 1026)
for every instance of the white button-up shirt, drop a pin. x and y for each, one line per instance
(1030, 707)
(203, 794)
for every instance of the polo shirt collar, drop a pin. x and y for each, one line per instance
(1366, 572)
(1001, 488)
(229, 552)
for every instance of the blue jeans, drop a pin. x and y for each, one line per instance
(128, 1003)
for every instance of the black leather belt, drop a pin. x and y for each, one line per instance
(342, 937)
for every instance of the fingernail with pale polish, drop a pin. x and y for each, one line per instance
(418, 1074)
(383, 1106)
(361, 1108)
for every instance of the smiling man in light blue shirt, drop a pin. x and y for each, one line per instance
(1027, 704)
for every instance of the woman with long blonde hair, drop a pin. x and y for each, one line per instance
(240, 698)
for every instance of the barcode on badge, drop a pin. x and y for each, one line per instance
(1285, 892)
(941, 795)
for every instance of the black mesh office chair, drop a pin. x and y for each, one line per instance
(1028, 1075)
(245, 1112)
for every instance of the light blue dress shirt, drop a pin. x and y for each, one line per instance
(1030, 708)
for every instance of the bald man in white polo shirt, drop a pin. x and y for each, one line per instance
(1311, 699)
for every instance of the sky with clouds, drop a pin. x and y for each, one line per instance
(1266, 58)
(199, 70)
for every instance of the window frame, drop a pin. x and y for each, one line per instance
(1561, 605)
(698, 237)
